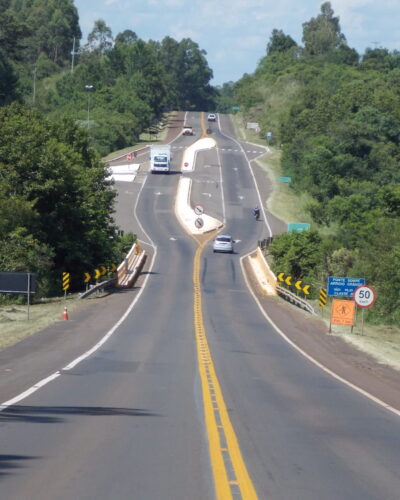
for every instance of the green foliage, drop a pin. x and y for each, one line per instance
(123, 243)
(298, 255)
(322, 34)
(51, 24)
(62, 203)
(337, 117)
(279, 42)
(100, 39)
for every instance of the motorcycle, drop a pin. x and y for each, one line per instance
(256, 213)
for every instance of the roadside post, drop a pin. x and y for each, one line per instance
(18, 282)
(66, 279)
(342, 313)
(342, 287)
(364, 296)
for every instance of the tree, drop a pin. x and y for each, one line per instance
(100, 39)
(127, 36)
(322, 34)
(63, 200)
(279, 42)
(53, 24)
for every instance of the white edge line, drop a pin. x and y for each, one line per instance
(310, 358)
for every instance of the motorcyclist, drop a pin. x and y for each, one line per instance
(256, 212)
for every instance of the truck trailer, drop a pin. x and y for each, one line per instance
(160, 158)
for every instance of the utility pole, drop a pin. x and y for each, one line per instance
(73, 56)
(89, 88)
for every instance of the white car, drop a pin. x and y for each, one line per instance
(211, 117)
(187, 130)
(223, 243)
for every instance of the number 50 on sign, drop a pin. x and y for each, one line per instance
(364, 296)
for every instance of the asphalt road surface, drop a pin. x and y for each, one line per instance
(127, 422)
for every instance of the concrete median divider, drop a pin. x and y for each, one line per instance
(186, 215)
(265, 277)
(130, 268)
(127, 272)
(268, 282)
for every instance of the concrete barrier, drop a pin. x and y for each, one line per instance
(129, 269)
(186, 215)
(265, 277)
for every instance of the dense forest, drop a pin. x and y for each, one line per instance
(336, 117)
(63, 105)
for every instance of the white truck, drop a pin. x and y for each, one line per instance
(160, 158)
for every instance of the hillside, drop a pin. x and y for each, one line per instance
(336, 117)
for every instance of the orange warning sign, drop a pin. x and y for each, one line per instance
(342, 312)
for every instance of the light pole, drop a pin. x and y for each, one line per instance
(88, 88)
(73, 54)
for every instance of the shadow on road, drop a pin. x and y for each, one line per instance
(9, 463)
(54, 414)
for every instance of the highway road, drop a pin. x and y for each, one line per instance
(129, 420)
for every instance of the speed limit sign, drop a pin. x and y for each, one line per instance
(364, 296)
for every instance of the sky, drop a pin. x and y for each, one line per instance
(235, 33)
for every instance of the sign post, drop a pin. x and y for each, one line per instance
(342, 313)
(364, 296)
(16, 283)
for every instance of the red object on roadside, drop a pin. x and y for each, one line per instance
(65, 314)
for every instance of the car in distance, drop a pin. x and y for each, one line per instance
(187, 130)
(223, 243)
(211, 117)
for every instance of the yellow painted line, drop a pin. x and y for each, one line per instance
(214, 404)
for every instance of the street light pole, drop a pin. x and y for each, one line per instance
(73, 56)
(88, 88)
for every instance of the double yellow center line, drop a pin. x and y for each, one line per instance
(231, 479)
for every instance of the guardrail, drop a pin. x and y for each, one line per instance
(282, 292)
(292, 298)
(127, 272)
(99, 286)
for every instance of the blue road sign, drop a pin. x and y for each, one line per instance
(298, 227)
(343, 287)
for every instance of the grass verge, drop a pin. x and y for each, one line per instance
(146, 138)
(15, 324)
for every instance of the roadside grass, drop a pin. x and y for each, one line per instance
(382, 342)
(14, 322)
(145, 138)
